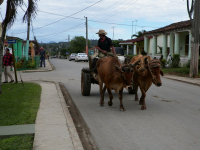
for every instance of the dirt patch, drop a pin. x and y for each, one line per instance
(155, 96)
(167, 100)
(81, 127)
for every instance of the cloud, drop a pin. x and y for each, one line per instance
(155, 13)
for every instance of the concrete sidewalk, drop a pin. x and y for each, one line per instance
(194, 81)
(54, 127)
(47, 67)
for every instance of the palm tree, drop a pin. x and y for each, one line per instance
(11, 14)
(139, 34)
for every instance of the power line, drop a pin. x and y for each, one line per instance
(65, 17)
(98, 21)
(104, 11)
(32, 28)
(91, 29)
(60, 32)
(116, 12)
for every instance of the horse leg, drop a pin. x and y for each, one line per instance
(110, 103)
(120, 98)
(101, 90)
(142, 99)
(136, 90)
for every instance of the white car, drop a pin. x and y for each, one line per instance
(81, 57)
(72, 56)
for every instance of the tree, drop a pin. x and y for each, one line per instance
(195, 11)
(78, 44)
(139, 34)
(11, 14)
(115, 43)
(63, 51)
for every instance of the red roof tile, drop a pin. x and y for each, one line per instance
(135, 40)
(171, 27)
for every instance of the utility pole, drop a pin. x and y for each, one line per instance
(132, 28)
(86, 36)
(135, 26)
(68, 37)
(113, 32)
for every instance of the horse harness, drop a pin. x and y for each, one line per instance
(153, 64)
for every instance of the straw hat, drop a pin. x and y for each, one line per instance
(102, 32)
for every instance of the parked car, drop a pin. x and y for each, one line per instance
(81, 56)
(72, 56)
(53, 56)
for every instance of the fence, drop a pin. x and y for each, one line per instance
(24, 63)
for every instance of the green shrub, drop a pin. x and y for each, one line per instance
(163, 63)
(175, 61)
(187, 64)
(30, 64)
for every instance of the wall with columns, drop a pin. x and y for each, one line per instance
(159, 42)
(182, 43)
(150, 46)
(180, 47)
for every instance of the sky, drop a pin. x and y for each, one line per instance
(62, 20)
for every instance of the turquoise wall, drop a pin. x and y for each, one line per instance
(18, 51)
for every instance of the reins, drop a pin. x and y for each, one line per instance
(153, 76)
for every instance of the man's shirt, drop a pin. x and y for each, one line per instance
(106, 44)
(42, 54)
(7, 59)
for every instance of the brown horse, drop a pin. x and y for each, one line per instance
(147, 72)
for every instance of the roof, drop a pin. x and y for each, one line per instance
(172, 27)
(11, 37)
(135, 40)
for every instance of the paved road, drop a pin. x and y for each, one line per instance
(171, 121)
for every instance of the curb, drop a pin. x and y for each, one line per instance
(29, 71)
(71, 127)
(52, 67)
(182, 81)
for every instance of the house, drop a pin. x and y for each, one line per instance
(20, 47)
(137, 45)
(174, 38)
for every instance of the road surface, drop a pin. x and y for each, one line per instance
(171, 121)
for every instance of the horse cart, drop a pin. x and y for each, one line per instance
(87, 78)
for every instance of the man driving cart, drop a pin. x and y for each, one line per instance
(105, 45)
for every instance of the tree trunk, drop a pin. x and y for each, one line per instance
(1, 52)
(194, 59)
(195, 40)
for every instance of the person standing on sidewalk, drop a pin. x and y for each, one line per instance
(42, 56)
(48, 55)
(8, 62)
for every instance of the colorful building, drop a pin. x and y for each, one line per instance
(20, 49)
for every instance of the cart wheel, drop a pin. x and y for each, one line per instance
(85, 83)
(133, 90)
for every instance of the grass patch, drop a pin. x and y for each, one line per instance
(21, 142)
(18, 104)
(182, 70)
